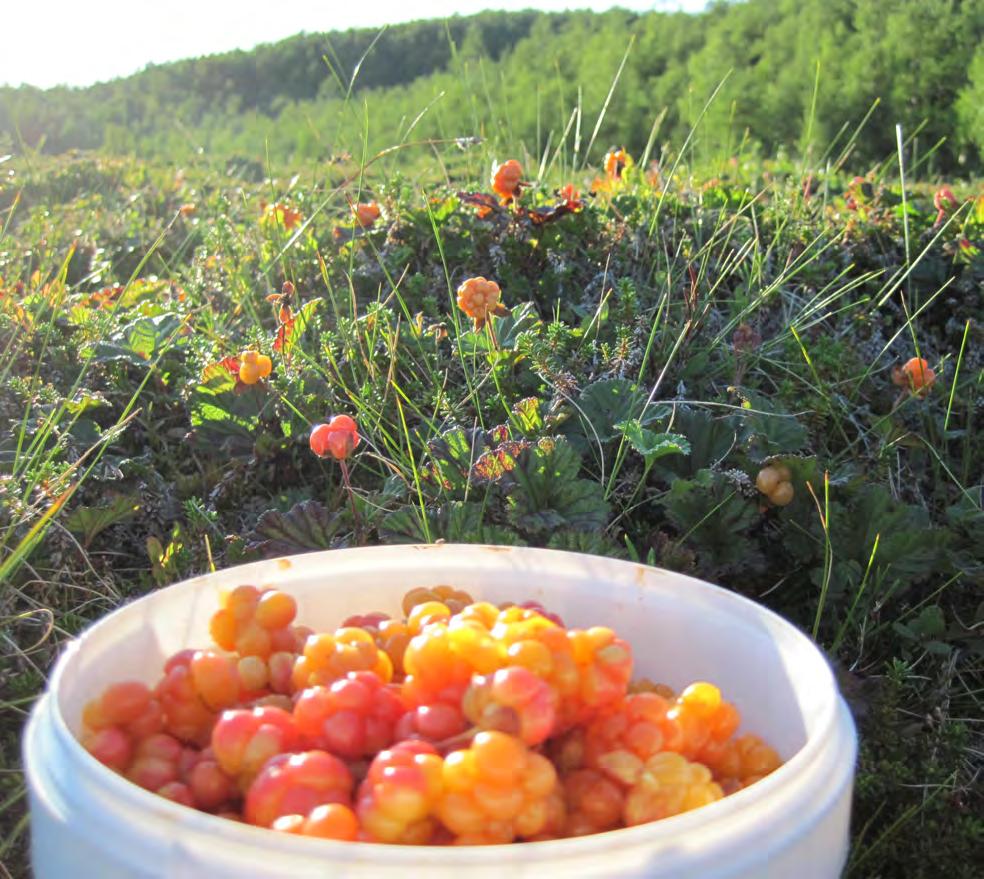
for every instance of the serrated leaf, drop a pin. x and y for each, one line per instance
(83, 401)
(545, 493)
(909, 547)
(767, 432)
(455, 522)
(712, 515)
(508, 329)
(306, 527)
(141, 341)
(651, 445)
(710, 438)
(590, 542)
(604, 404)
(929, 623)
(451, 457)
(222, 417)
(88, 522)
(527, 416)
(496, 464)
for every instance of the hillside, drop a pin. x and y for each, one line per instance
(819, 75)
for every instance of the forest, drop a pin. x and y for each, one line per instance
(794, 75)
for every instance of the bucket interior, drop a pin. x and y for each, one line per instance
(680, 630)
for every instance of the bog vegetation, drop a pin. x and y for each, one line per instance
(729, 329)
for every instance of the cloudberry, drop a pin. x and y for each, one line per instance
(507, 180)
(337, 439)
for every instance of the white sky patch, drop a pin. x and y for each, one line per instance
(57, 42)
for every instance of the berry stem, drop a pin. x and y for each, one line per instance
(357, 522)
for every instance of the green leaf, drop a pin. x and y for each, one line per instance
(455, 522)
(301, 320)
(521, 319)
(604, 404)
(909, 547)
(90, 521)
(768, 431)
(930, 623)
(711, 439)
(545, 493)
(445, 209)
(590, 542)
(141, 341)
(224, 415)
(652, 445)
(85, 400)
(451, 457)
(527, 417)
(306, 527)
(712, 515)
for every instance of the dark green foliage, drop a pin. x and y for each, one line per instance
(306, 526)
(547, 495)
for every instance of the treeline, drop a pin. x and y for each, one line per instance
(790, 74)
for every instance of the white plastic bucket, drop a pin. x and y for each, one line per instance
(86, 821)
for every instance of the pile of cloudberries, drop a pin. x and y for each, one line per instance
(457, 723)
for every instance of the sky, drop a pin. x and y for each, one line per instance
(79, 42)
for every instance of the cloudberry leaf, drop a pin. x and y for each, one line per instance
(766, 430)
(604, 404)
(909, 547)
(139, 342)
(711, 438)
(455, 522)
(527, 417)
(652, 445)
(591, 542)
(306, 527)
(521, 319)
(224, 420)
(497, 463)
(451, 457)
(713, 515)
(90, 521)
(544, 492)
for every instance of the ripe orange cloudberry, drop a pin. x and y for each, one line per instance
(668, 785)
(366, 214)
(253, 366)
(337, 439)
(496, 791)
(479, 299)
(507, 180)
(916, 375)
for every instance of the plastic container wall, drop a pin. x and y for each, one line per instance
(89, 822)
